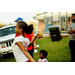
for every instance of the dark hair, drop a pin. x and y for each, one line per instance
(73, 14)
(25, 27)
(29, 29)
(44, 52)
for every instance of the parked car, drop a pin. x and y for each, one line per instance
(7, 35)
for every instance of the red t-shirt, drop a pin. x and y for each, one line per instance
(29, 36)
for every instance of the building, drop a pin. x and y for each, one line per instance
(2, 24)
(47, 19)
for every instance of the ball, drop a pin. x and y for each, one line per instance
(40, 33)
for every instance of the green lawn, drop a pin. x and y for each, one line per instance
(58, 51)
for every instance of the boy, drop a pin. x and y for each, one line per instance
(42, 55)
(71, 31)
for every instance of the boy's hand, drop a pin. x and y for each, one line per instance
(39, 35)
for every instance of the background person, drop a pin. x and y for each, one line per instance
(71, 31)
(18, 19)
(30, 36)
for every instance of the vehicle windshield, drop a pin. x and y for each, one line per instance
(7, 31)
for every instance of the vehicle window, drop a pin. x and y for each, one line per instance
(7, 31)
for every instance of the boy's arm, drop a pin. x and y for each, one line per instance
(71, 31)
(31, 42)
(34, 43)
(37, 36)
(20, 44)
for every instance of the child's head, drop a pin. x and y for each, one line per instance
(22, 26)
(43, 54)
(30, 29)
(73, 17)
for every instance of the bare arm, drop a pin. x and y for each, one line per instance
(34, 44)
(37, 36)
(25, 52)
(33, 39)
(71, 31)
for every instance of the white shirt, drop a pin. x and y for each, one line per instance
(18, 54)
(42, 60)
(72, 27)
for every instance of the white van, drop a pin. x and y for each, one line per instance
(7, 35)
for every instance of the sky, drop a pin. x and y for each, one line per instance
(12, 16)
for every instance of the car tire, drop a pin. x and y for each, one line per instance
(1, 55)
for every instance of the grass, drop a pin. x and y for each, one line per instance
(58, 51)
(8, 58)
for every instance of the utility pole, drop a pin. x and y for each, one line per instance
(66, 21)
(59, 19)
(36, 24)
(51, 18)
(35, 18)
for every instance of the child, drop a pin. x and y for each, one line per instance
(43, 54)
(71, 31)
(29, 34)
(20, 43)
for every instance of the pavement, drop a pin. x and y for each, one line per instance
(62, 33)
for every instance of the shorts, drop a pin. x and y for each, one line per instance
(28, 61)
